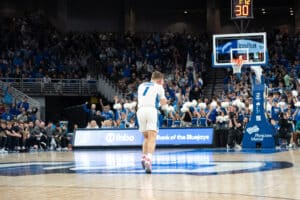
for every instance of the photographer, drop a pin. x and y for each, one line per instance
(285, 128)
(235, 132)
(186, 118)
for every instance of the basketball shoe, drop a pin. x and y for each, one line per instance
(148, 166)
(143, 161)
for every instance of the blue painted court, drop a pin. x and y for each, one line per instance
(166, 161)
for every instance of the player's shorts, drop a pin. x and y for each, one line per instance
(147, 118)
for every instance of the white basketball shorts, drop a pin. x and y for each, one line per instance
(147, 118)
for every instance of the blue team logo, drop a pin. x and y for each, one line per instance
(169, 167)
(250, 45)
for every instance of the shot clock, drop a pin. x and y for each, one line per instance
(241, 9)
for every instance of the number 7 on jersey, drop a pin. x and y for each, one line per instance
(145, 91)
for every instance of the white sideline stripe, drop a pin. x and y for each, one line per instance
(58, 167)
(5, 165)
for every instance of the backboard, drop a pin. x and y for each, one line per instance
(252, 47)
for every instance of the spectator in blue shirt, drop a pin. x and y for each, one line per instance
(107, 113)
(6, 115)
(14, 111)
(275, 111)
(91, 112)
(8, 98)
(23, 104)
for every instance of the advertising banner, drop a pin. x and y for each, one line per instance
(132, 137)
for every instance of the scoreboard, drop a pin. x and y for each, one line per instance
(241, 9)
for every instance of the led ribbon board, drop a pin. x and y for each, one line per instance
(132, 137)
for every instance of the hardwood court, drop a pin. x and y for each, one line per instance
(177, 174)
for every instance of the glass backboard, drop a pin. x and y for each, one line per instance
(251, 46)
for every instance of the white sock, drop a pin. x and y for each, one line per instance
(149, 156)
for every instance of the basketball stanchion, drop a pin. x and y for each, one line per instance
(247, 50)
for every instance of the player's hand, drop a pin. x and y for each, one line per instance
(116, 98)
(164, 107)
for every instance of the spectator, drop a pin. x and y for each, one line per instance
(296, 135)
(59, 135)
(24, 130)
(107, 124)
(32, 139)
(31, 114)
(13, 136)
(106, 112)
(92, 124)
(8, 98)
(235, 133)
(7, 116)
(285, 128)
(3, 137)
(91, 112)
(132, 123)
(14, 111)
(45, 140)
(195, 93)
(22, 116)
(35, 134)
(23, 104)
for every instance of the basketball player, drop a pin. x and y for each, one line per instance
(150, 94)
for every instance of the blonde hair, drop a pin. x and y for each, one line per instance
(156, 75)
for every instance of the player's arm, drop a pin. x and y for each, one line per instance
(163, 101)
(162, 98)
(8, 133)
(85, 108)
(101, 104)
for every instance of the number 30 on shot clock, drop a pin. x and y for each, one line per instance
(241, 9)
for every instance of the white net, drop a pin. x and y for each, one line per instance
(236, 68)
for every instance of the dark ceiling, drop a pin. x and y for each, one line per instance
(277, 7)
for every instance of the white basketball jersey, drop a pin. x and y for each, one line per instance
(149, 94)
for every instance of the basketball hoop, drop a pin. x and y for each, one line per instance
(237, 65)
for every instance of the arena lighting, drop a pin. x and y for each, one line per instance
(185, 12)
